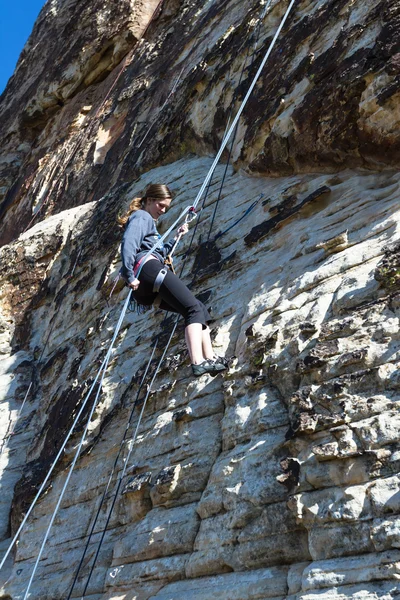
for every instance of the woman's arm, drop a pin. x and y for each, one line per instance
(138, 227)
(181, 231)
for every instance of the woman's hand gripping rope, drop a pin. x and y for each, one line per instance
(134, 284)
(183, 229)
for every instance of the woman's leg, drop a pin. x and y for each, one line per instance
(207, 348)
(175, 293)
(176, 296)
(194, 342)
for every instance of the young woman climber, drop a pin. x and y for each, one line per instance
(154, 280)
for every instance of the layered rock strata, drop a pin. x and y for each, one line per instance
(280, 478)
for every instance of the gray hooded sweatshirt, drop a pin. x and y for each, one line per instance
(139, 237)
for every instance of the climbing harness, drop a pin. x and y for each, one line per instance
(159, 280)
(106, 360)
(134, 305)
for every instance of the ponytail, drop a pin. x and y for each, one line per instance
(136, 204)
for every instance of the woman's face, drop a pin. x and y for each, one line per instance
(156, 208)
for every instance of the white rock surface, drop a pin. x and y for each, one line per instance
(280, 478)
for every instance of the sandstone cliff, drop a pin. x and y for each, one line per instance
(281, 478)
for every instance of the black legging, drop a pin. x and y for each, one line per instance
(175, 296)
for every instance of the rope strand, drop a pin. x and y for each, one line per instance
(242, 106)
(77, 453)
(112, 472)
(60, 452)
(124, 437)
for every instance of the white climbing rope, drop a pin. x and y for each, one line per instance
(103, 368)
(60, 452)
(242, 106)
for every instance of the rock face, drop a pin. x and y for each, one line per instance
(279, 479)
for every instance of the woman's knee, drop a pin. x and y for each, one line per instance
(197, 313)
(194, 314)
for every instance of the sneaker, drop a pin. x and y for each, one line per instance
(217, 365)
(221, 359)
(212, 367)
(201, 368)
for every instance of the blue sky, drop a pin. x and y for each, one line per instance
(17, 18)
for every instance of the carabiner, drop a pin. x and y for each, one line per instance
(191, 215)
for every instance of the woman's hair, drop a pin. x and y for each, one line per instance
(154, 191)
